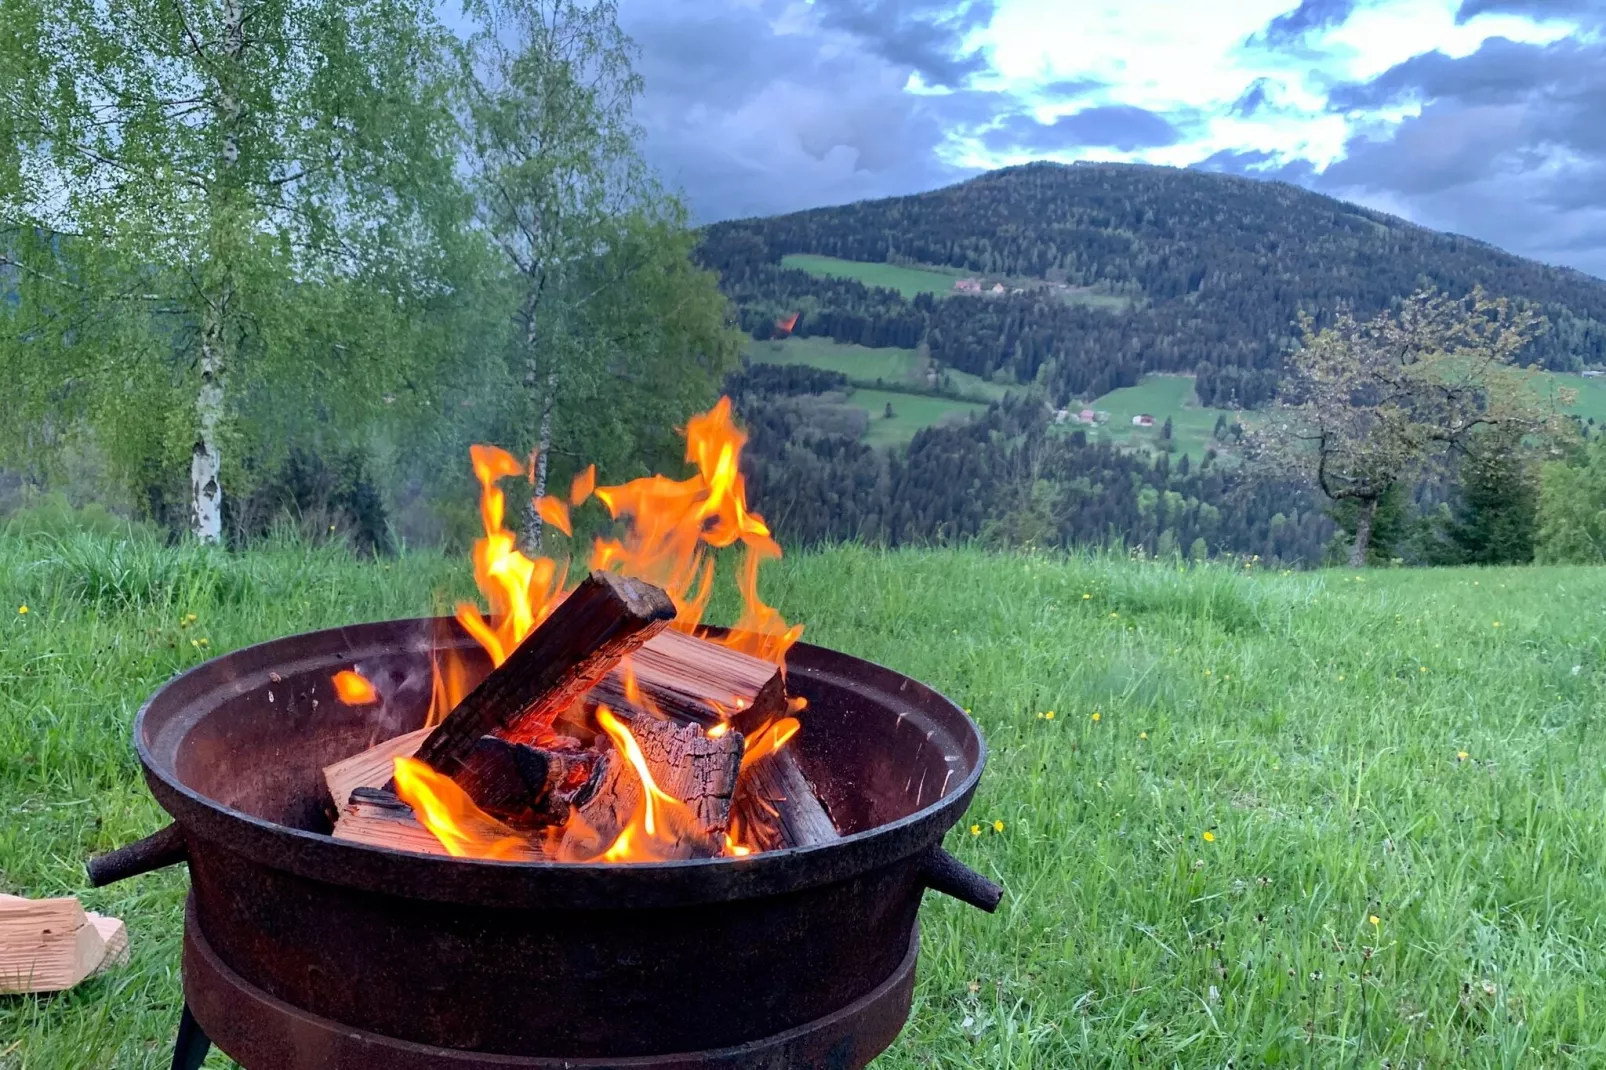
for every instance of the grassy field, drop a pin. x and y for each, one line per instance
(910, 412)
(1591, 401)
(1160, 396)
(896, 368)
(908, 281)
(1317, 820)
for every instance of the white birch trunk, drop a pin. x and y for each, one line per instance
(206, 462)
(206, 459)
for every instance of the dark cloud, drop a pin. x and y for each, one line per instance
(1533, 9)
(1308, 17)
(1256, 163)
(1253, 98)
(1509, 145)
(925, 35)
(1113, 126)
(1069, 88)
(770, 107)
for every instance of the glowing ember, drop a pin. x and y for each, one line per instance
(353, 689)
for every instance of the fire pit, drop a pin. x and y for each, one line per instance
(304, 951)
(584, 831)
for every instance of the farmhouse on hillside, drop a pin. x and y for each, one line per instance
(968, 286)
(1142, 419)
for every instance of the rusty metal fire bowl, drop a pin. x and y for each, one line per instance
(305, 951)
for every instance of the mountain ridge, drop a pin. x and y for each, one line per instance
(1216, 269)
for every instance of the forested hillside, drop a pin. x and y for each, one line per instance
(1214, 269)
(1004, 478)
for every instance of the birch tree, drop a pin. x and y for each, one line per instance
(201, 197)
(556, 171)
(1369, 405)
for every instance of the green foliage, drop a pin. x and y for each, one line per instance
(1572, 507)
(1369, 407)
(1494, 520)
(248, 231)
(619, 336)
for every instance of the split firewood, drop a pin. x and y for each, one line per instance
(373, 767)
(378, 818)
(600, 621)
(49, 945)
(776, 807)
(688, 765)
(692, 679)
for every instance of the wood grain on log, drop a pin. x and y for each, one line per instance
(371, 768)
(49, 945)
(694, 679)
(775, 806)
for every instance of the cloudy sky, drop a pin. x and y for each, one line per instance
(1484, 117)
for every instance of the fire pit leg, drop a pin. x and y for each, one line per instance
(189, 1051)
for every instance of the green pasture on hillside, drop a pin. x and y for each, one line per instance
(1324, 819)
(1160, 396)
(895, 368)
(908, 281)
(910, 413)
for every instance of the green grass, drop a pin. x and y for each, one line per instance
(895, 368)
(908, 281)
(910, 413)
(1591, 400)
(1160, 396)
(1312, 723)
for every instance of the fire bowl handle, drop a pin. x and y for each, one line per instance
(164, 848)
(944, 873)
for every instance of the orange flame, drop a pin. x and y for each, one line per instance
(555, 512)
(669, 532)
(354, 689)
(583, 485)
(446, 810)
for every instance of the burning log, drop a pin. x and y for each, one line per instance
(49, 945)
(378, 818)
(601, 620)
(693, 778)
(526, 787)
(693, 679)
(776, 807)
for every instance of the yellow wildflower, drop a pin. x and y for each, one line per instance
(1086, 596)
(975, 830)
(1462, 755)
(23, 610)
(1375, 920)
(1049, 716)
(1143, 735)
(1421, 668)
(1209, 837)
(1497, 624)
(998, 826)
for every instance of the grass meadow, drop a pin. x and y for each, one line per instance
(909, 281)
(1324, 819)
(1192, 425)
